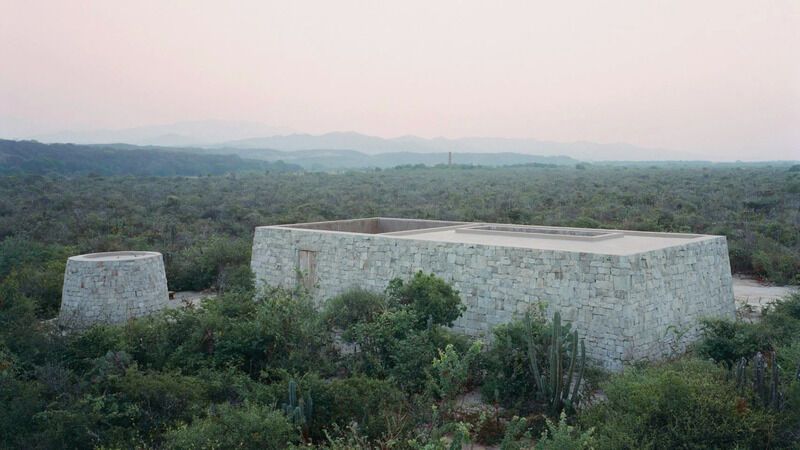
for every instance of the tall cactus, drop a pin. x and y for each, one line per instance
(552, 386)
(765, 387)
(298, 412)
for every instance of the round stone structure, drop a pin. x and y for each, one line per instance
(112, 287)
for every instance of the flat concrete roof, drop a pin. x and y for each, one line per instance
(115, 256)
(582, 240)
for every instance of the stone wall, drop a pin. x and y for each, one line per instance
(627, 307)
(112, 288)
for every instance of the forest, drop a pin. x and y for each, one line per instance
(268, 369)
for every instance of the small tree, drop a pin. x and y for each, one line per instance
(450, 371)
(431, 298)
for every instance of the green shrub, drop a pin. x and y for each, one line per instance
(380, 340)
(273, 331)
(405, 337)
(782, 320)
(517, 435)
(778, 334)
(429, 297)
(83, 348)
(368, 404)
(789, 306)
(249, 426)
(20, 330)
(392, 347)
(685, 404)
(86, 421)
(235, 278)
(160, 399)
(450, 371)
(788, 358)
(21, 400)
(115, 405)
(509, 379)
(16, 252)
(35, 270)
(727, 342)
(411, 361)
(562, 436)
(778, 264)
(352, 307)
(42, 283)
(789, 420)
(286, 332)
(201, 265)
(235, 387)
(147, 339)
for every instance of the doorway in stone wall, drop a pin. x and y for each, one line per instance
(307, 265)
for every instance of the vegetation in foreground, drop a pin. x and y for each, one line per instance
(380, 370)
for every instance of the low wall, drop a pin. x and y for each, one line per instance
(626, 306)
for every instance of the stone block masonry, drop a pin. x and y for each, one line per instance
(112, 288)
(630, 294)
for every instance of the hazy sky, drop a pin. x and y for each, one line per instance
(717, 78)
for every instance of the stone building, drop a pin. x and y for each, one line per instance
(633, 295)
(112, 288)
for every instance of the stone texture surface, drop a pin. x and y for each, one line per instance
(629, 307)
(112, 290)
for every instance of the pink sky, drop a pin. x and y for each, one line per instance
(717, 78)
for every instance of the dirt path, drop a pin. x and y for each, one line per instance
(752, 296)
(194, 298)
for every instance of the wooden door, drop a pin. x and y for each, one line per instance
(307, 264)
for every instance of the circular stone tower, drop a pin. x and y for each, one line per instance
(112, 288)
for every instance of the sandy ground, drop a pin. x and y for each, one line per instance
(752, 296)
(186, 298)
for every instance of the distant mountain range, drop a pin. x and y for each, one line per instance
(216, 134)
(181, 134)
(587, 151)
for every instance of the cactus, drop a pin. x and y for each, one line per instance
(552, 386)
(775, 397)
(797, 372)
(298, 412)
(765, 387)
(741, 374)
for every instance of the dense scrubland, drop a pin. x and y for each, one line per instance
(31, 157)
(267, 369)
